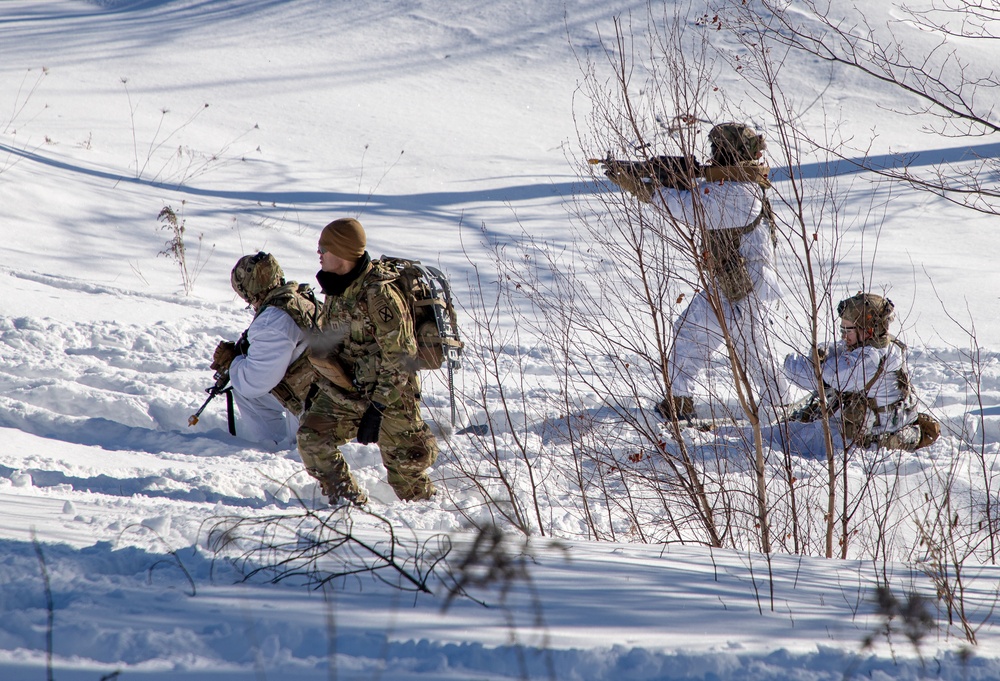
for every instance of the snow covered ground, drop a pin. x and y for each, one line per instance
(449, 128)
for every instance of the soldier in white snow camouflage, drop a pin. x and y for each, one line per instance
(866, 379)
(728, 213)
(268, 367)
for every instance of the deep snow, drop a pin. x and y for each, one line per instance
(449, 128)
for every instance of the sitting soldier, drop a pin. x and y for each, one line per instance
(866, 380)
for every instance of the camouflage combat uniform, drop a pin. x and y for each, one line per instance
(370, 330)
(866, 376)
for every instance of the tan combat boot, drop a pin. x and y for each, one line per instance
(679, 406)
(346, 491)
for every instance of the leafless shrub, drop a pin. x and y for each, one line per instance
(25, 91)
(490, 562)
(911, 613)
(177, 247)
(597, 310)
(942, 82)
(948, 78)
(176, 164)
(315, 548)
(491, 478)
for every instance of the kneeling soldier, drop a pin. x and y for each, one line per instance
(866, 380)
(268, 368)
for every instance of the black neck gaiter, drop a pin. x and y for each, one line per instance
(333, 284)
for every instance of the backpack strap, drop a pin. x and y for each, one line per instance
(766, 213)
(881, 369)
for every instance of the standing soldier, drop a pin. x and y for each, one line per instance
(729, 215)
(268, 367)
(367, 354)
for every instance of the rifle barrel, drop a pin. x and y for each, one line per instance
(221, 379)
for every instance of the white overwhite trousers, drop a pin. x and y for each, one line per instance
(264, 419)
(698, 334)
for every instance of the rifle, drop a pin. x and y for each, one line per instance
(811, 410)
(221, 386)
(676, 172)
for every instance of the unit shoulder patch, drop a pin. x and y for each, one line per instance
(385, 313)
(384, 307)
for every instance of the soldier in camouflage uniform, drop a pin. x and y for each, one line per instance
(371, 391)
(268, 367)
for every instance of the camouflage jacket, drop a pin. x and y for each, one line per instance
(370, 330)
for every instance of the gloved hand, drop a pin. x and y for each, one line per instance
(243, 344)
(371, 424)
(225, 351)
(631, 183)
(821, 352)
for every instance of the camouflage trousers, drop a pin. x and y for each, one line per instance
(407, 445)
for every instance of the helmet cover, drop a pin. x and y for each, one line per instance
(256, 275)
(868, 311)
(735, 143)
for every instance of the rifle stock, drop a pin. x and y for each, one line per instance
(329, 367)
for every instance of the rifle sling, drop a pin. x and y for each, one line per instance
(878, 372)
(230, 412)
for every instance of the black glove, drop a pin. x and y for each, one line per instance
(243, 344)
(371, 424)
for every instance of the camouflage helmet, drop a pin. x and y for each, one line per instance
(735, 143)
(868, 311)
(255, 275)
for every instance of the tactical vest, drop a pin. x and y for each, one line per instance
(356, 318)
(299, 303)
(854, 406)
(725, 264)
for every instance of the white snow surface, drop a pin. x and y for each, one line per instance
(448, 128)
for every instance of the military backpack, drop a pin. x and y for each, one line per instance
(299, 302)
(427, 294)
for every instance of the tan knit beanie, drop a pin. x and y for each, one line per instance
(345, 238)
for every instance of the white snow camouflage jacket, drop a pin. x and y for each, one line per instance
(725, 205)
